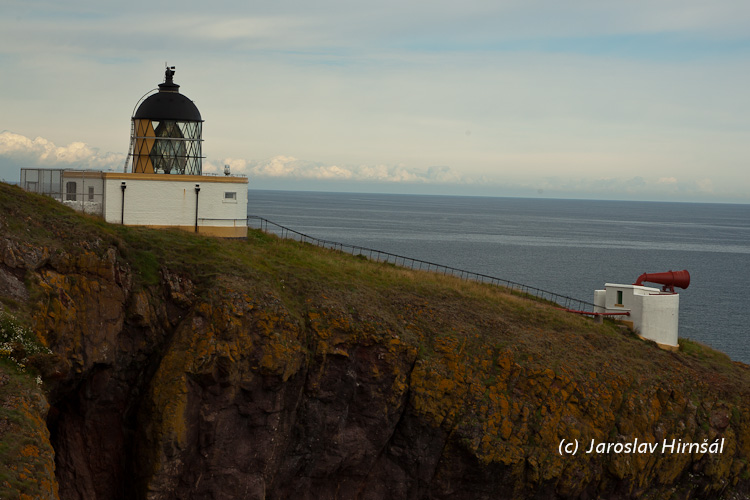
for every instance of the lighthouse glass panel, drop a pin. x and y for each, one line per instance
(177, 148)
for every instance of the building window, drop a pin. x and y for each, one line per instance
(91, 193)
(619, 297)
(70, 191)
(230, 197)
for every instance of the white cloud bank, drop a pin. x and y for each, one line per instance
(288, 167)
(40, 153)
(43, 153)
(636, 188)
(287, 172)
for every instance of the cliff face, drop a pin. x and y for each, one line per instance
(307, 374)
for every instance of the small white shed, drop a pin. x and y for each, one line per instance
(654, 313)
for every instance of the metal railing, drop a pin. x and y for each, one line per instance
(567, 303)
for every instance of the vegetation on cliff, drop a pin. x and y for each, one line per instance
(26, 456)
(186, 367)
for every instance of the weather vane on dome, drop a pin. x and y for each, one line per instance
(168, 73)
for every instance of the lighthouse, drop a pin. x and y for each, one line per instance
(166, 132)
(162, 184)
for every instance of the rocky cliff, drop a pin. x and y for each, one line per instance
(190, 368)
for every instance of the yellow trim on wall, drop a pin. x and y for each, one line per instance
(78, 174)
(174, 177)
(666, 347)
(218, 231)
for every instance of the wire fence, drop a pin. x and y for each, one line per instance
(569, 303)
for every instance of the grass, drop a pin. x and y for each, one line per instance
(41, 220)
(301, 274)
(24, 455)
(715, 366)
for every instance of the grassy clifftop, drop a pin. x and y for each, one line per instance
(401, 383)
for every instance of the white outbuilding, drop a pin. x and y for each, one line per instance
(653, 313)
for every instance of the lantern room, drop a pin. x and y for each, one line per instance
(166, 132)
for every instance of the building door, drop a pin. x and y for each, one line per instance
(70, 191)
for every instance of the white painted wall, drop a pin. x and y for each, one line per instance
(654, 313)
(86, 195)
(170, 200)
(158, 200)
(600, 297)
(83, 186)
(659, 317)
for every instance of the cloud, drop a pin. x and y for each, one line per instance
(21, 151)
(705, 185)
(284, 171)
(667, 180)
(288, 167)
(40, 152)
(635, 188)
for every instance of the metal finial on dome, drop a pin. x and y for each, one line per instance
(169, 85)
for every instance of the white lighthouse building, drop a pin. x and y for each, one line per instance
(163, 184)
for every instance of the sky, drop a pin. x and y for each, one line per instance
(636, 100)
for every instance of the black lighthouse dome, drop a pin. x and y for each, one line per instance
(166, 132)
(168, 103)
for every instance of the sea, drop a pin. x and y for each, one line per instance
(569, 247)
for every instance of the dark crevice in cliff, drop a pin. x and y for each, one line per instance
(159, 334)
(132, 414)
(86, 434)
(388, 455)
(96, 425)
(403, 407)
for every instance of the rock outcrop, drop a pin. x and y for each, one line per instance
(317, 375)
